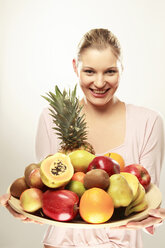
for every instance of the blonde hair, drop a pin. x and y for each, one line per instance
(99, 39)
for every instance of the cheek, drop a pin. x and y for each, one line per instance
(84, 80)
(114, 81)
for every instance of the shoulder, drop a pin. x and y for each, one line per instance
(45, 119)
(46, 114)
(143, 114)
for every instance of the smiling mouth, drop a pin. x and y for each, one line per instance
(99, 91)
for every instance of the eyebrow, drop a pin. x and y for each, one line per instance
(87, 67)
(112, 67)
(109, 68)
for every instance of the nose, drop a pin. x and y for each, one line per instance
(99, 81)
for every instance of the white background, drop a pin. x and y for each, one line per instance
(37, 44)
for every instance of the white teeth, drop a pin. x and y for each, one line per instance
(99, 91)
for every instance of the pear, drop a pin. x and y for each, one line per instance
(133, 183)
(137, 201)
(80, 159)
(120, 191)
(137, 208)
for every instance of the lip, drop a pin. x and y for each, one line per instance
(99, 95)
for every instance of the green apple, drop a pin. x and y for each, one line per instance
(76, 187)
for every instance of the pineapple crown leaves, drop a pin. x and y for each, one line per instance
(70, 126)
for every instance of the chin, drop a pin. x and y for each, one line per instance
(99, 103)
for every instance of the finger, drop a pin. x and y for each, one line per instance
(15, 214)
(160, 213)
(27, 220)
(119, 227)
(38, 222)
(144, 223)
(4, 199)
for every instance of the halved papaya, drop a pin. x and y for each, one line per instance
(56, 170)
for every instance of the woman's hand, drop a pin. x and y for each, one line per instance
(156, 216)
(4, 202)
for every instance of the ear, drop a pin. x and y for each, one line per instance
(75, 66)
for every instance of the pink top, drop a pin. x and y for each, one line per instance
(144, 144)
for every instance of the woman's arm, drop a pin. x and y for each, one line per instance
(4, 202)
(46, 139)
(152, 157)
(43, 148)
(153, 150)
(42, 142)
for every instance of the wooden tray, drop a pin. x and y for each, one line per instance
(153, 197)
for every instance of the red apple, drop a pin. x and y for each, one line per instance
(60, 205)
(104, 163)
(140, 172)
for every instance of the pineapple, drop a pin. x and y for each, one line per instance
(70, 126)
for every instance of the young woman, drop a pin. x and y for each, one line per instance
(113, 126)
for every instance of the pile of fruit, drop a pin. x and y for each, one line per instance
(80, 183)
(76, 181)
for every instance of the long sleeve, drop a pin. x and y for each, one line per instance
(152, 153)
(46, 142)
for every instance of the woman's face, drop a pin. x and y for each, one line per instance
(98, 73)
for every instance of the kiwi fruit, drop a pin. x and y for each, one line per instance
(96, 178)
(18, 186)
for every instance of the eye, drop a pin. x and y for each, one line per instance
(89, 71)
(111, 71)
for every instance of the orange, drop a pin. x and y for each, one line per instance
(96, 206)
(118, 158)
(78, 176)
